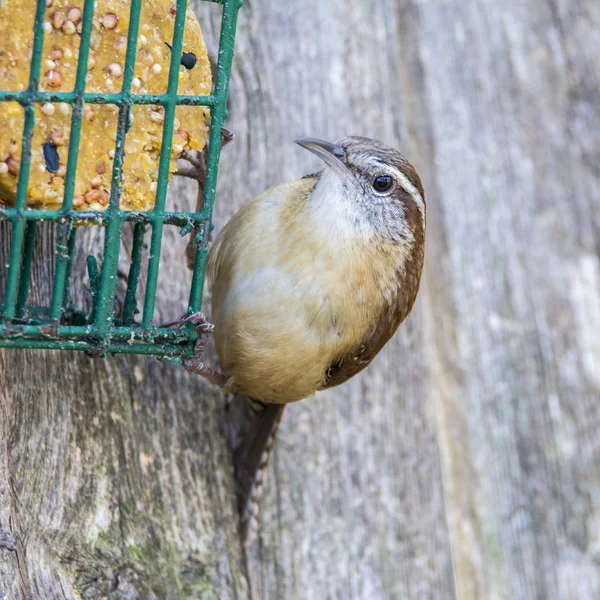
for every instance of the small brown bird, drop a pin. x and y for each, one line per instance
(310, 279)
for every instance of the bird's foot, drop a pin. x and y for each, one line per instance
(198, 319)
(226, 136)
(201, 325)
(195, 364)
(195, 167)
(196, 162)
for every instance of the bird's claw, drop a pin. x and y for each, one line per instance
(196, 169)
(195, 158)
(200, 346)
(198, 319)
(204, 329)
(195, 364)
(227, 136)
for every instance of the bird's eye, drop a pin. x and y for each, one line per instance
(383, 183)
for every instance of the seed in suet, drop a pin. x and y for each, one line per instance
(54, 78)
(110, 20)
(58, 19)
(51, 157)
(188, 60)
(69, 27)
(74, 14)
(13, 165)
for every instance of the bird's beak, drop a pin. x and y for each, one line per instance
(334, 156)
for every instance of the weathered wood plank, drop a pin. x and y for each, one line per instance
(513, 98)
(465, 462)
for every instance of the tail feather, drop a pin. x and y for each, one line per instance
(255, 430)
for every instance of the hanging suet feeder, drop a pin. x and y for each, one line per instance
(100, 186)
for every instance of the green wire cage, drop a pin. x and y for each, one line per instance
(59, 325)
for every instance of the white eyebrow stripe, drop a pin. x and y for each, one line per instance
(411, 189)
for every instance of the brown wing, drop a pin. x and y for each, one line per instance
(345, 367)
(348, 365)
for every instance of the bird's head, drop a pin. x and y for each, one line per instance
(375, 183)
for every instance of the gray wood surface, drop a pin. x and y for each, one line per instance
(465, 462)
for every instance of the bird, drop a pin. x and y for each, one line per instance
(310, 279)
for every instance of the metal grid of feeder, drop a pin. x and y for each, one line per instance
(59, 325)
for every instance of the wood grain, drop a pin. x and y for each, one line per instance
(465, 461)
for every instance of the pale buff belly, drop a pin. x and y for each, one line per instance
(277, 334)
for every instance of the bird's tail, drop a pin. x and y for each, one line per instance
(253, 430)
